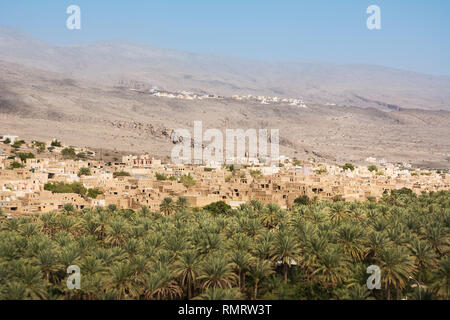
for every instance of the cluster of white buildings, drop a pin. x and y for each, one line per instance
(183, 94)
(187, 95)
(271, 100)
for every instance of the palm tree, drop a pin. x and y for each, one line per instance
(424, 256)
(167, 206)
(314, 247)
(437, 237)
(258, 271)
(117, 231)
(441, 278)
(15, 291)
(339, 211)
(331, 268)
(241, 260)
(161, 285)
(270, 215)
(217, 272)
(285, 250)
(121, 282)
(182, 203)
(47, 260)
(31, 277)
(351, 237)
(101, 219)
(187, 269)
(375, 243)
(357, 292)
(396, 267)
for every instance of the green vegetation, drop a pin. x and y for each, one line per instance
(208, 169)
(40, 146)
(302, 200)
(24, 156)
(7, 141)
(187, 180)
(296, 162)
(373, 168)
(121, 174)
(231, 168)
(348, 166)
(84, 172)
(68, 153)
(75, 187)
(320, 171)
(160, 176)
(61, 187)
(218, 208)
(256, 173)
(316, 251)
(56, 143)
(17, 144)
(16, 165)
(81, 156)
(94, 193)
(337, 198)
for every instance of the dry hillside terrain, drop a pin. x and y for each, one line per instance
(82, 95)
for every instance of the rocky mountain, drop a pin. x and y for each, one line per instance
(123, 62)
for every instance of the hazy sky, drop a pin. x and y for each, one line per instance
(415, 34)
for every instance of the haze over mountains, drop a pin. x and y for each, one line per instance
(359, 85)
(81, 94)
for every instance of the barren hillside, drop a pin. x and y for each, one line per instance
(42, 104)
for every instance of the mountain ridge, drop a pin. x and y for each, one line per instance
(352, 84)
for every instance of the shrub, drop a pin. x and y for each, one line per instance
(112, 208)
(56, 143)
(373, 168)
(160, 176)
(187, 180)
(81, 156)
(69, 207)
(256, 173)
(94, 193)
(25, 156)
(18, 144)
(16, 165)
(348, 166)
(84, 172)
(304, 200)
(217, 208)
(121, 174)
(337, 198)
(68, 153)
(61, 187)
(40, 146)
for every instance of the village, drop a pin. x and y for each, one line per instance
(32, 181)
(187, 95)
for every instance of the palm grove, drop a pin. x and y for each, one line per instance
(317, 250)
